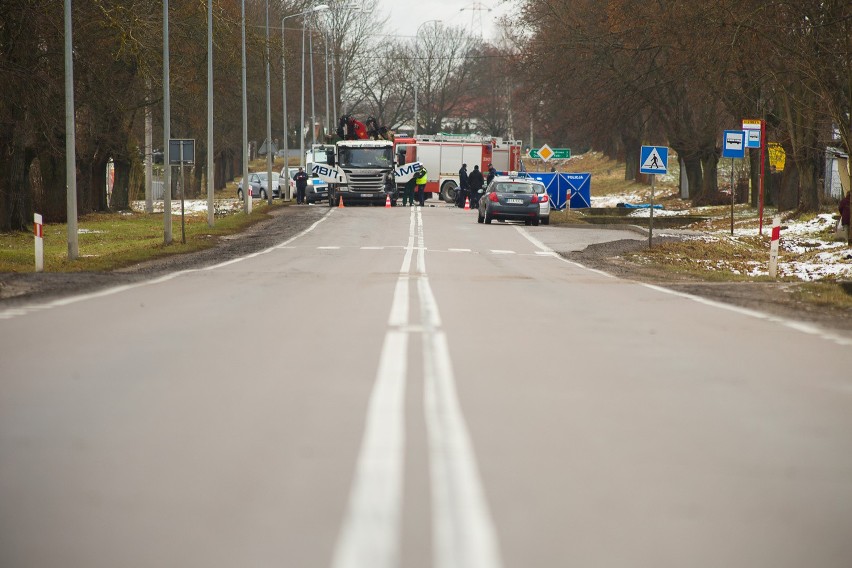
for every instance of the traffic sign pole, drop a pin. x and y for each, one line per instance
(762, 168)
(732, 197)
(651, 218)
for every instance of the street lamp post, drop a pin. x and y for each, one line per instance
(417, 45)
(210, 169)
(269, 188)
(246, 185)
(313, 90)
(327, 116)
(70, 140)
(317, 8)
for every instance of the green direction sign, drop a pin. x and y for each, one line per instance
(557, 154)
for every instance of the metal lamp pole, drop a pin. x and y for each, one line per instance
(268, 118)
(317, 8)
(417, 48)
(246, 186)
(313, 89)
(210, 168)
(167, 132)
(70, 139)
(327, 116)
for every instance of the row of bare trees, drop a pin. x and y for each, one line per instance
(623, 73)
(463, 84)
(118, 49)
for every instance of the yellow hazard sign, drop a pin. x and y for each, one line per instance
(777, 157)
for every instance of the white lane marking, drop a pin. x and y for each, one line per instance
(459, 250)
(328, 248)
(502, 252)
(462, 529)
(799, 326)
(23, 310)
(370, 532)
(372, 248)
(369, 535)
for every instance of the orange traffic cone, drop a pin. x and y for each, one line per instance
(387, 201)
(340, 203)
(467, 204)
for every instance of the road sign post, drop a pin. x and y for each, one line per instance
(653, 160)
(733, 146)
(182, 151)
(751, 126)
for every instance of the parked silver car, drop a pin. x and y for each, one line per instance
(259, 185)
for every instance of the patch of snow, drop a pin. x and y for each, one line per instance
(659, 212)
(192, 206)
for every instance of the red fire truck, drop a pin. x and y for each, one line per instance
(443, 155)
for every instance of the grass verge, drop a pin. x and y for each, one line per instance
(114, 240)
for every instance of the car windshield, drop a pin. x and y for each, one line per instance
(262, 177)
(513, 187)
(366, 157)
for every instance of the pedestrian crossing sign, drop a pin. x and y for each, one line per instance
(654, 160)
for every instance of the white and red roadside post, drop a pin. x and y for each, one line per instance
(773, 247)
(38, 231)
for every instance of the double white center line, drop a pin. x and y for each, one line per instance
(462, 529)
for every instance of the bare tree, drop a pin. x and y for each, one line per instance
(440, 64)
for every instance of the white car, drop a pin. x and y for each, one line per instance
(317, 189)
(543, 203)
(259, 185)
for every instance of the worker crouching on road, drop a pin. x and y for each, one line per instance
(420, 178)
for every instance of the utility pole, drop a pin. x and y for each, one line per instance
(167, 132)
(246, 186)
(210, 167)
(268, 118)
(70, 140)
(149, 156)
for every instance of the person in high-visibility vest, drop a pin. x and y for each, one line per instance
(420, 178)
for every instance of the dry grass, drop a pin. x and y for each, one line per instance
(113, 240)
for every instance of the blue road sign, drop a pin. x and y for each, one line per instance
(654, 160)
(752, 138)
(734, 144)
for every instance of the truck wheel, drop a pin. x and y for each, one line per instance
(448, 191)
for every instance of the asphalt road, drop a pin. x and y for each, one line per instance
(407, 388)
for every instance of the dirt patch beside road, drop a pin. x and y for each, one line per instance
(775, 298)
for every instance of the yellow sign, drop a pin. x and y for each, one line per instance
(777, 157)
(751, 124)
(545, 152)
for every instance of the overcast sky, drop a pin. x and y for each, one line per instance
(407, 15)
